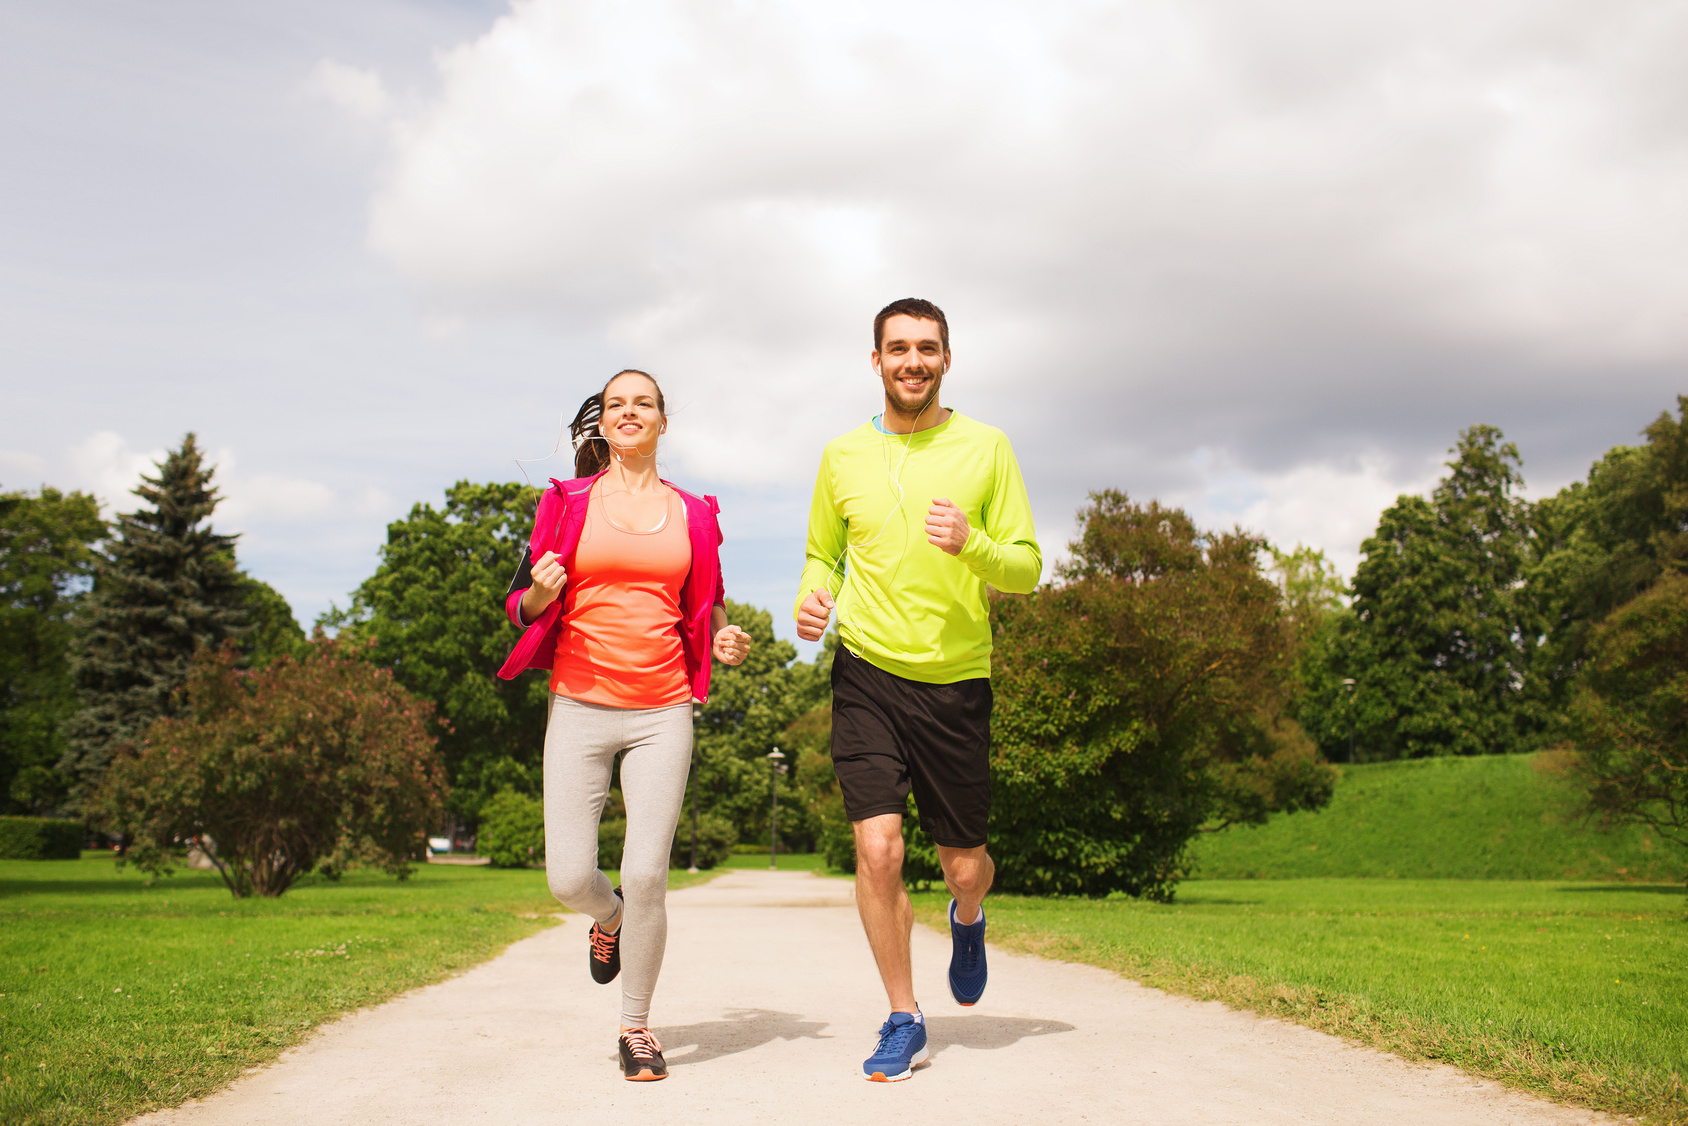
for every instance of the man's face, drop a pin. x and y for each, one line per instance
(911, 362)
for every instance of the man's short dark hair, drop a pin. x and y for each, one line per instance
(910, 307)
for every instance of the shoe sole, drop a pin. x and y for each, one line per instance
(646, 1075)
(915, 1061)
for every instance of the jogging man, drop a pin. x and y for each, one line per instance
(914, 513)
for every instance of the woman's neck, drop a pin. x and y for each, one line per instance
(633, 471)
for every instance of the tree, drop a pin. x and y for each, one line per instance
(166, 587)
(312, 762)
(272, 631)
(435, 611)
(1605, 540)
(46, 559)
(1442, 632)
(750, 708)
(1629, 717)
(1140, 697)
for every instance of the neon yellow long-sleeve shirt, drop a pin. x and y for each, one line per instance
(908, 607)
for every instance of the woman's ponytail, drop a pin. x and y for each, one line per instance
(591, 448)
(591, 452)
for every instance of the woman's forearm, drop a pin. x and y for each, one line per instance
(533, 604)
(717, 618)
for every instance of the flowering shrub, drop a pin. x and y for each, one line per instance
(309, 763)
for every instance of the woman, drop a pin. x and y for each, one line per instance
(623, 608)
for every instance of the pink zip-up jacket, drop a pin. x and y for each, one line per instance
(556, 527)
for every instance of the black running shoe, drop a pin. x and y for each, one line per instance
(641, 1056)
(604, 958)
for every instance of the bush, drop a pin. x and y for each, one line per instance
(512, 833)
(1630, 714)
(314, 761)
(612, 838)
(1138, 700)
(715, 840)
(837, 838)
(40, 838)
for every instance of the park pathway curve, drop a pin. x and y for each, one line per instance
(769, 1002)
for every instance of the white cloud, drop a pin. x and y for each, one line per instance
(1329, 506)
(274, 496)
(359, 92)
(737, 185)
(26, 470)
(1309, 242)
(104, 465)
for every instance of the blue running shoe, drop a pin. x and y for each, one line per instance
(902, 1045)
(967, 974)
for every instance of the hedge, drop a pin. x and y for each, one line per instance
(39, 838)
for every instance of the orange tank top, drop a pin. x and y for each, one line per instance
(620, 640)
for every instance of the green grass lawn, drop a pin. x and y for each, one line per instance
(788, 862)
(117, 996)
(1491, 817)
(1578, 991)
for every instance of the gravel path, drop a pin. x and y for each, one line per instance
(769, 1002)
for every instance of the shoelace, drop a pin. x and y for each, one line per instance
(970, 945)
(894, 1038)
(640, 1043)
(969, 954)
(603, 945)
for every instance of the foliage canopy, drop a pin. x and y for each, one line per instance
(47, 556)
(311, 762)
(434, 609)
(1138, 698)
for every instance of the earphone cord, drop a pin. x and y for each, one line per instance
(521, 462)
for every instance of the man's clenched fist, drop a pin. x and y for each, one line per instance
(946, 526)
(812, 615)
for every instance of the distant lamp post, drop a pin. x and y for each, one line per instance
(1348, 683)
(696, 712)
(774, 758)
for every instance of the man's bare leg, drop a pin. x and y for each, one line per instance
(968, 873)
(882, 900)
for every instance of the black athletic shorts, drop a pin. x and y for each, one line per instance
(890, 735)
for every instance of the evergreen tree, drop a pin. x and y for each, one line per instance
(1442, 632)
(46, 558)
(166, 587)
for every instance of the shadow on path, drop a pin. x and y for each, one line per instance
(986, 1033)
(742, 1030)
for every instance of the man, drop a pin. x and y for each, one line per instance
(914, 513)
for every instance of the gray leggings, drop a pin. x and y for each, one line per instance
(581, 742)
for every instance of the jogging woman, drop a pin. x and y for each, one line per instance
(622, 605)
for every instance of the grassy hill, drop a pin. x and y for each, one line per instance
(1489, 818)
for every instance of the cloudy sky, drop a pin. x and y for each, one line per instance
(1262, 260)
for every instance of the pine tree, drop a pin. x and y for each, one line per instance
(166, 588)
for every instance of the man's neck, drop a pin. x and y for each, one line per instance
(896, 422)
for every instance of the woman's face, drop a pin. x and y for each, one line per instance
(631, 418)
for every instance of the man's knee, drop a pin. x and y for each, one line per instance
(879, 848)
(967, 870)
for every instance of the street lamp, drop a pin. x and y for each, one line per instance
(1348, 683)
(696, 712)
(774, 758)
